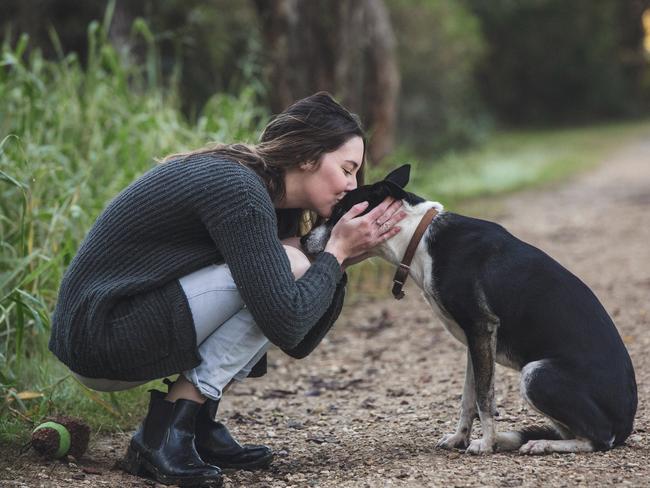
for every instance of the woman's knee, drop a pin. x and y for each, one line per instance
(299, 262)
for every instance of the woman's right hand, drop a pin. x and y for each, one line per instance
(353, 235)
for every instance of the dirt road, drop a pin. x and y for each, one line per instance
(367, 408)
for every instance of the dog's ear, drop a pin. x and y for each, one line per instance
(394, 190)
(399, 176)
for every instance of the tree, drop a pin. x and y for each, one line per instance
(346, 47)
(552, 60)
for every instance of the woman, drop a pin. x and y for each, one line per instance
(186, 272)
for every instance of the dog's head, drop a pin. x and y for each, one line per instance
(392, 185)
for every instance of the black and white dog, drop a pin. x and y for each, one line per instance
(509, 302)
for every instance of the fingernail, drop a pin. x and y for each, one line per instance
(363, 204)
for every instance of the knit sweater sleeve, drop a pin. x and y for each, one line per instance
(247, 237)
(320, 330)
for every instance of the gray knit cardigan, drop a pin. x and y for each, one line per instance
(121, 312)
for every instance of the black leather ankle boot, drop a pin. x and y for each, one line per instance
(216, 446)
(164, 448)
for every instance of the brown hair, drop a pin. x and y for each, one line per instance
(302, 133)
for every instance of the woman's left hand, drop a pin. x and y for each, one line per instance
(355, 234)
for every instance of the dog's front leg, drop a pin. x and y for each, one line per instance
(482, 345)
(468, 413)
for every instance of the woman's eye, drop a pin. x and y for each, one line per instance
(347, 173)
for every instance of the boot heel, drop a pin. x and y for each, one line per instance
(132, 463)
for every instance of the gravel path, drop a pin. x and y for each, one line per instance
(367, 408)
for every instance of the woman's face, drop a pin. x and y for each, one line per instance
(336, 175)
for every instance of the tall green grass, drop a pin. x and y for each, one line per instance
(71, 137)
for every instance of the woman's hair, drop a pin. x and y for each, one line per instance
(301, 134)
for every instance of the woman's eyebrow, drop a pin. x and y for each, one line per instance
(356, 165)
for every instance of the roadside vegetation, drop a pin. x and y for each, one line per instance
(71, 137)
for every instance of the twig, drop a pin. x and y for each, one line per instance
(21, 415)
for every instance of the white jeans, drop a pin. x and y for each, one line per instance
(230, 342)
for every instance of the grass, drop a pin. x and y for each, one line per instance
(73, 135)
(514, 160)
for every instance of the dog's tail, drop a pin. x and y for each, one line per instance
(539, 432)
(509, 441)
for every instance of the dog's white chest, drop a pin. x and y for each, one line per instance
(449, 323)
(427, 290)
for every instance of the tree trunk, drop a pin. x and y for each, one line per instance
(346, 47)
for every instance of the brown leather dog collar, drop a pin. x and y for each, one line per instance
(402, 271)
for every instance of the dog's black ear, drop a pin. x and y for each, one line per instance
(394, 190)
(400, 176)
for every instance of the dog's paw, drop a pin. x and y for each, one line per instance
(535, 447)
(480, 446)
(453, 441)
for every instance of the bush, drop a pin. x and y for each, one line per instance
(551, 60)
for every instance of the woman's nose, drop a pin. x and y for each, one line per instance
(352, 185)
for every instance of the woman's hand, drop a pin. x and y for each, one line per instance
(354, 236)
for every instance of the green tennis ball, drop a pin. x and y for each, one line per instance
(61, 436)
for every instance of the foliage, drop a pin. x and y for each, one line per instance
(439, 46)
(210, 47)
(465, 65)
(551, 60)
(216, 45)
(71, 137)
